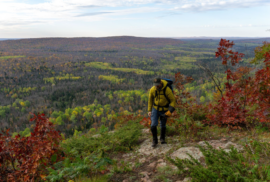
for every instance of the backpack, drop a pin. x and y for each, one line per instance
(169, 84)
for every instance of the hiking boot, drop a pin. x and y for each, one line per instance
(162, 136)
(154, 144)
(154, 133)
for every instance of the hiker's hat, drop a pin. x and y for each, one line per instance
(157, 81)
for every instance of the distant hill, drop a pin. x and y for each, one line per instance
(1, 39)
(218, 38)
(136, 39)
(255, 40)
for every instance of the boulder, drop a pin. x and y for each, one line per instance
(111, 132)
(97, 135)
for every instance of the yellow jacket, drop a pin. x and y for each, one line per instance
(160, 100)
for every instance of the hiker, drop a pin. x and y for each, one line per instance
(161, 96)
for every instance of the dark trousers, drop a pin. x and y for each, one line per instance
(155, 115)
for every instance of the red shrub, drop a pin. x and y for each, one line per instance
(235, 107)
(25, 158)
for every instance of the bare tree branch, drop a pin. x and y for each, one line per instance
(212, 76)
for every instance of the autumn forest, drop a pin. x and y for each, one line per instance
(81, 83)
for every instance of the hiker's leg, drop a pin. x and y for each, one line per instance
(163, 121)
(154, 117)
(154, 123)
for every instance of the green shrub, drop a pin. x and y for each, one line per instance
(261, 128)
(83, 150)
(121, 140)
(256, 150)
(199, 116)
(172, 130)
(121, 167)
(127, 136)
(92, 179)
(79, 167)
(224, 166)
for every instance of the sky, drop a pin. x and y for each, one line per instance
(142, 18)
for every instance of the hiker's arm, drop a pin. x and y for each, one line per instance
(150, 101)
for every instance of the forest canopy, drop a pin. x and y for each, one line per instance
(81, 83)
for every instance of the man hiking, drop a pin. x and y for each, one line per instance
(161, 96)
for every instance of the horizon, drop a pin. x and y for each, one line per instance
(148, 18)
(190, 37)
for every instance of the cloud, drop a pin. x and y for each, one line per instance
(19, 22)
(168, 14)
(268, 30)
(235, 26)
(92, 14)
(110, 3)
(15, 12)
(209, 5)
(88, 7)
(68, 10)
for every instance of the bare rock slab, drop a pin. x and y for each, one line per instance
(146, 130)
(151, 166)
(187, 180)
(147, 149)
(226, 145)
(146, 177)
(182, 153)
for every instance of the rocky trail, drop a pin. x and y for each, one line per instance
(147, 164)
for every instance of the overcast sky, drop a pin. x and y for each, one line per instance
(144, 18)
